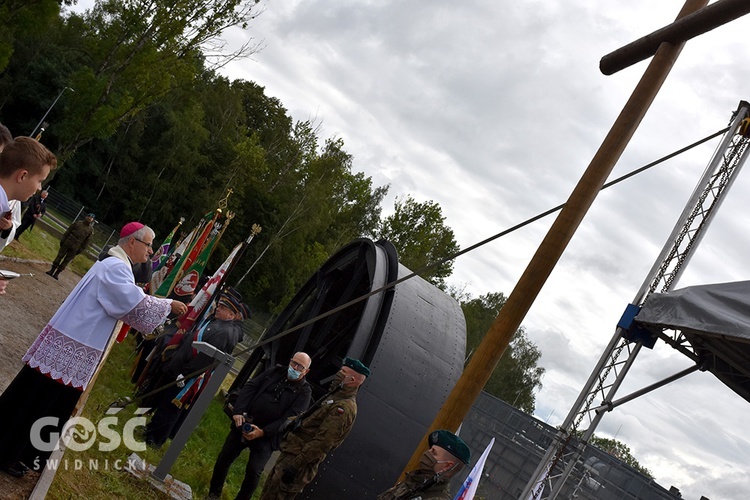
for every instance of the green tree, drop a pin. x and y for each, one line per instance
(21, 17)
(619, 450)
(419, 233)
(320, 204)
(139, 50)
(150, 132)
(517, 376)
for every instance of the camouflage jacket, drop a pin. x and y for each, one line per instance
(77, 237)
(410, 489)
(326, 428)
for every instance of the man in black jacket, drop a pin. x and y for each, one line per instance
(36, 209)
(182, 363)
(263, 404)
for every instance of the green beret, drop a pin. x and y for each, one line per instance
(357, 366)
(451, 443)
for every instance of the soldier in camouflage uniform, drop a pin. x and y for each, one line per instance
(446, 457)
(74, 241)
(319, 432)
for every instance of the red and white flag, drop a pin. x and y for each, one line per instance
(203, 297)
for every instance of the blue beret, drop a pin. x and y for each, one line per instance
(451, 443)
(357, 366)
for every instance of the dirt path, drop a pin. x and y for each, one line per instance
(29, 303)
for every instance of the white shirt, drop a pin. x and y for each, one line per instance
(72, 344)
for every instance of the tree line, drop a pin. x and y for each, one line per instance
(146, 128)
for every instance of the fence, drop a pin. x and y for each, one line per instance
(520, 443)
(63, 211)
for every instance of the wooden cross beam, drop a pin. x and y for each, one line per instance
(682, 30)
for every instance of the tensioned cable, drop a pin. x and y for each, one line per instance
(392, 284)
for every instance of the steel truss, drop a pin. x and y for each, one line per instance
(563, 455)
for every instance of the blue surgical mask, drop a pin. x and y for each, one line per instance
(293, 374)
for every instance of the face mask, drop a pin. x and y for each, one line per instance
(293, 374)
(427, 462)
(337, 381)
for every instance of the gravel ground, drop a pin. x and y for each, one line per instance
(29, 303)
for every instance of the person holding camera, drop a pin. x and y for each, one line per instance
(262, 406)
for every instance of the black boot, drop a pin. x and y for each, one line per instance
(57, 273)
(52, 271)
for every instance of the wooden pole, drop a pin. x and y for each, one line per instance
(682, 30)
(489, 352)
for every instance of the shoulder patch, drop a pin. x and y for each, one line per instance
(339, 410)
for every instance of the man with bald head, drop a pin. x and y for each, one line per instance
(262, 405)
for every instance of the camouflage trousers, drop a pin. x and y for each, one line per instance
(275, 489)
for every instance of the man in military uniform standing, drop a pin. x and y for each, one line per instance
(316, 433)
(444, 459)
(74, 241)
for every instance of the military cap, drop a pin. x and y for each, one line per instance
(232, 300)
(357, 366)
(451, 443)
(245, 311)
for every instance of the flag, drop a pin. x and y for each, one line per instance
(164, 271)
(190, 253)
(203, 297)
(469, 488)
(160, 257)
(538, 488)
(185, 288)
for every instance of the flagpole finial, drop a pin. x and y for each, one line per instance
(182, 219)
(222, 205)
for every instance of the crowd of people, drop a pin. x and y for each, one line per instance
(272, 411)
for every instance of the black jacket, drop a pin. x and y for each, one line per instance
(294, 399)
(223, 335)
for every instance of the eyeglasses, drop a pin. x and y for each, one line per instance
(296, 365)
(150, 245)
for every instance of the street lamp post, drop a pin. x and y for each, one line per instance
(50, 109)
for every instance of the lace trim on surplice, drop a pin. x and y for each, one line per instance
(63, 358)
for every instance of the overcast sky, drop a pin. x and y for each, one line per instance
(494, 110)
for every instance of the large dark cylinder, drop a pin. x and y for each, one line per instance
(413, 338)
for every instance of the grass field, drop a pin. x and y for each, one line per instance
(194, 465)
(41, 245)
